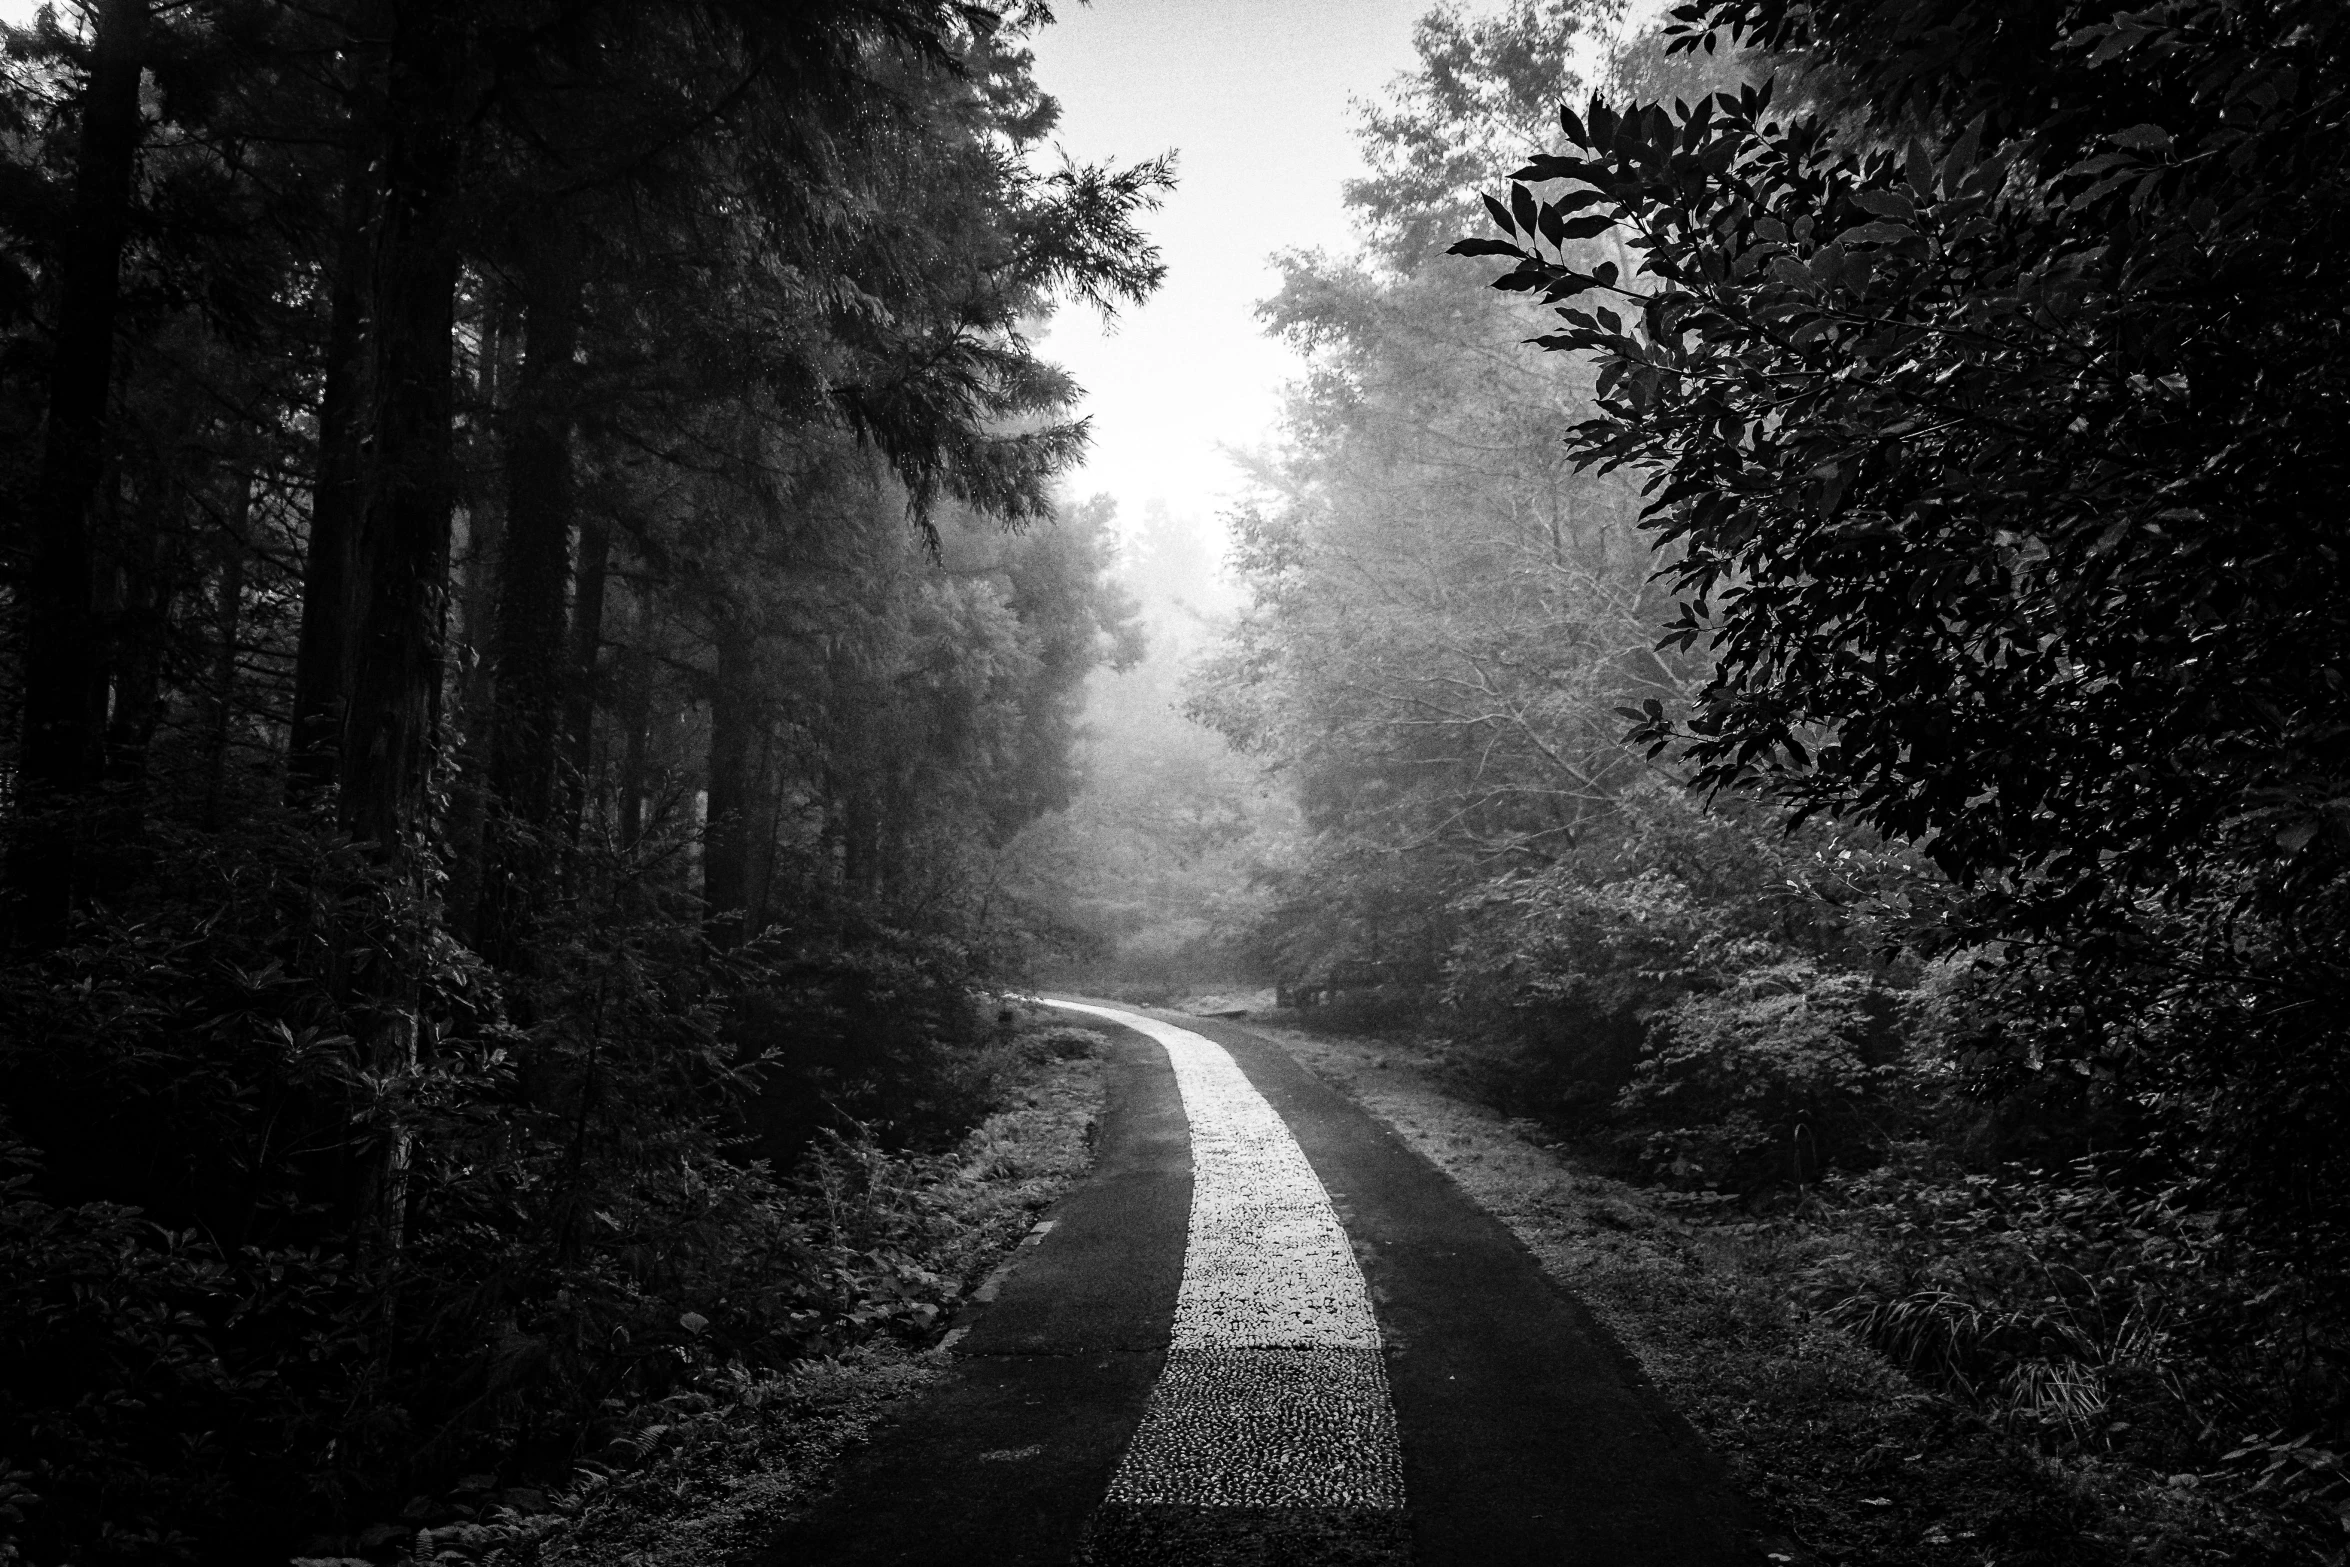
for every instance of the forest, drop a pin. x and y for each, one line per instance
(556, 696)
(1811, 688)
(539, 603)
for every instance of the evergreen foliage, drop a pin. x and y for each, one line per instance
(524, 672)
(1964, 419)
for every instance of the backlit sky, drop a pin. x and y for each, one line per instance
(1253, 95)
(1256, 96)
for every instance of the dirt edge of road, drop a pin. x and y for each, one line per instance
(726, 1479)
(1849, 1461)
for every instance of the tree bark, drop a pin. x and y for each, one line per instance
(64, 695)
(636, 717)
(728, 827)
(587, 646)
(401, 558)
(228, 605)
(144, 568)
(528, 642)
(330, 602)
(485, 519)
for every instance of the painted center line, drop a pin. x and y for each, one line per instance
(1274, 1394)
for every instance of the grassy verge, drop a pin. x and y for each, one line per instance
(720, 1467)
(1851, 1461)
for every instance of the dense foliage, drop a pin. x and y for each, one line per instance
(538, 609)
(1945, 502)
(1995, 438)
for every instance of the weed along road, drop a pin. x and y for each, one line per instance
(1264, 1331)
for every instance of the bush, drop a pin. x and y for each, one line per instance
(1569, 982)
(138, 1392)
(1556, 979)
(264, 1279)
(869, 1024)
(1785, 1072)
(2089, 1314)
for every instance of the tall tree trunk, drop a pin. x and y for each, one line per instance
(636, 717)
(330, 601)
(142, 547)
(64, 697)
(734, 750)
(145, 568)
(485, 535)
(401, 558)
(534, 573)
(400, 553)
(228, 606)
(587, 646)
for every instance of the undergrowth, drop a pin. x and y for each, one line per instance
(721, 1462)
(1917, 1365)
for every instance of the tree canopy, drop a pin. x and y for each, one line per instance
(1990, 414)
(539, 600)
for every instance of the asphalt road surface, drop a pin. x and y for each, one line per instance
(1263, 1331)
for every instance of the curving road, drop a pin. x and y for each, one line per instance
(1264, 1331)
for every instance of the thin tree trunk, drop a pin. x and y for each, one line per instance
(228, 605)
(636, 717)
(759, 806)
(146, 551)
(64, 698)
(733, 748)
(485, 516)
(534, 571)
(587, 646)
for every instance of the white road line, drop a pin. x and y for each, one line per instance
(1274, 1393)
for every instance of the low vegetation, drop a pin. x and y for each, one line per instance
(1899, 1369)
(739, 1443)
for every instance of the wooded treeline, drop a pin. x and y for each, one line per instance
(537, 602)
(1843, 722)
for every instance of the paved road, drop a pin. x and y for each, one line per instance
(1431, 1398)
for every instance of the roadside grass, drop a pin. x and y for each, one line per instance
(1849, 1459)
(717, 1469)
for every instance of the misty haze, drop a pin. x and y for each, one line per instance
(1174, 783)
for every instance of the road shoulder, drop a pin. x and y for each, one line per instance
(1005, 1456)
(1845, 1459)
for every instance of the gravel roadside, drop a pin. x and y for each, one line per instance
(1849, 1460)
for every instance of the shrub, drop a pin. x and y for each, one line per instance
(1568, 979)
(2087, 1313)
(225, 1329)
(138, 1394)
(868, 1024)
(1556, 978)
(1785, 1072)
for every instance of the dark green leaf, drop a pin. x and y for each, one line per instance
(1484, 247)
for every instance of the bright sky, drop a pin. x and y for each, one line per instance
(1254, 97)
